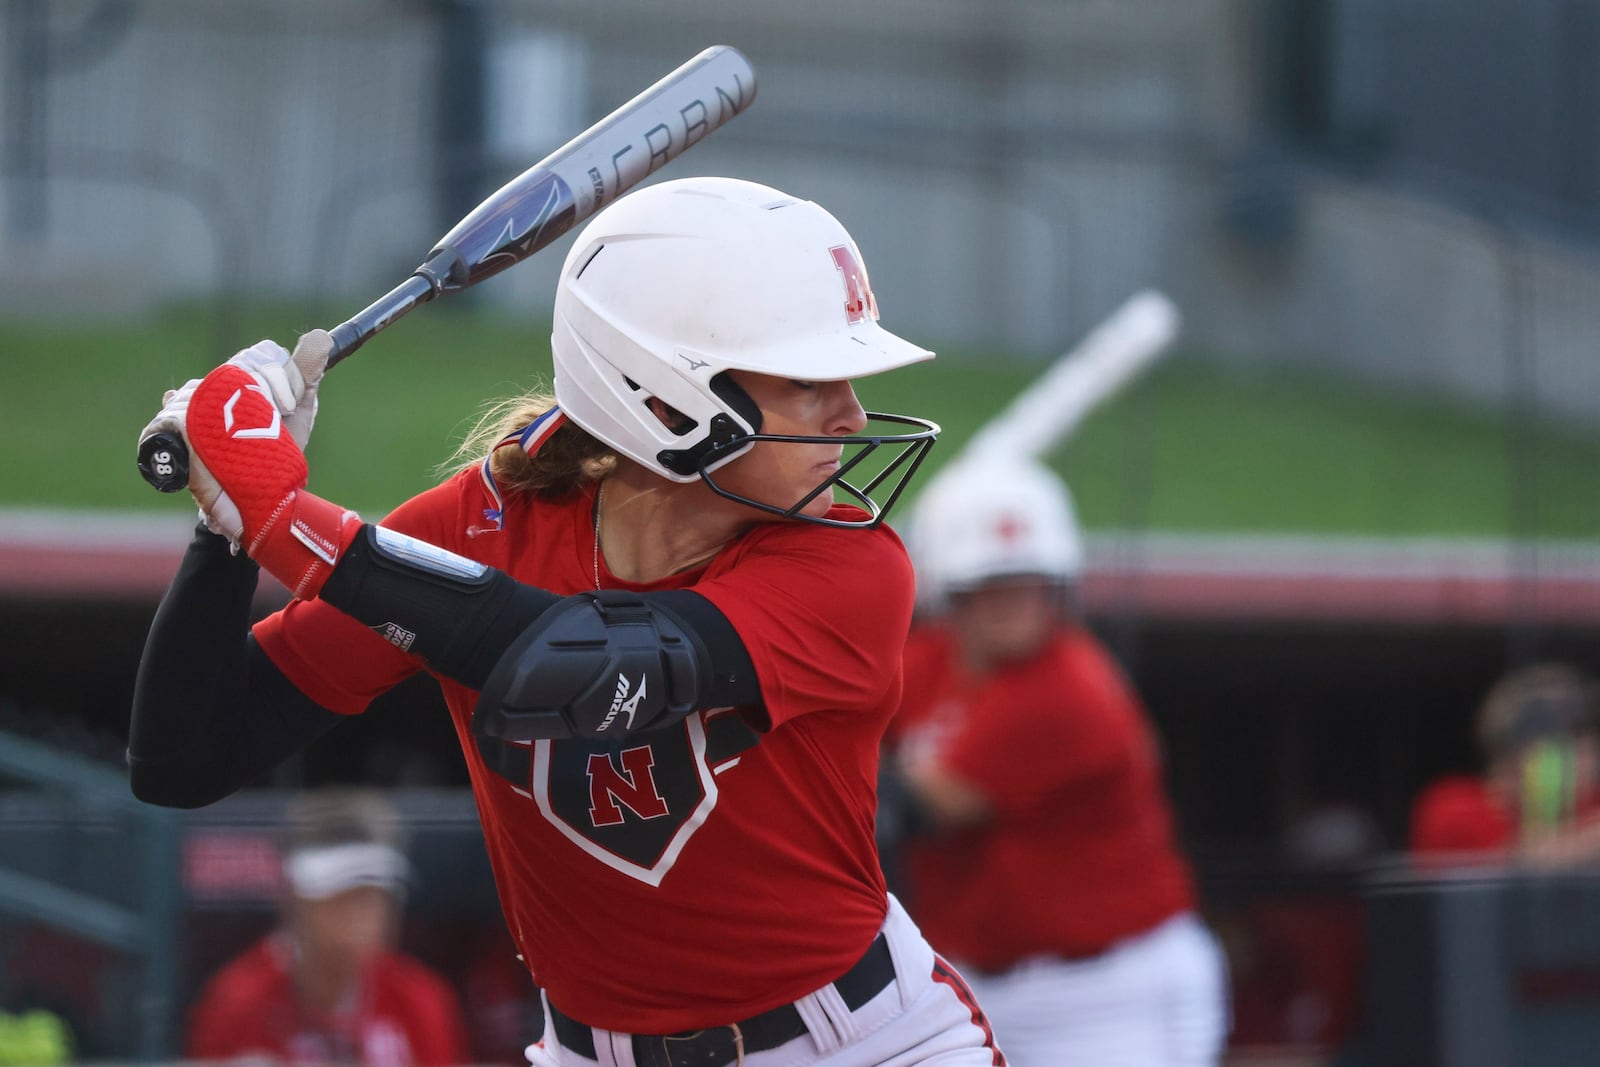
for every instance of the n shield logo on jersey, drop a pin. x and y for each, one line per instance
(633, 787)
(634, 804)
(858, 299)
(251, 427)
(633, 808)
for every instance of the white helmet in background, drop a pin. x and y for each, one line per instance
(981, 519)
(677, 283)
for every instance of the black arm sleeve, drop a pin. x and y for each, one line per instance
(462, 624)
(210, 711)
(732, 683)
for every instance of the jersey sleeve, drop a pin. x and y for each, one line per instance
(1071, 721)
(335, 660)
(823, 613)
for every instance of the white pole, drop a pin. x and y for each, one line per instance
(1050, 410)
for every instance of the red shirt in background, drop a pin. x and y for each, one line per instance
(403, 1015)
(1079, 851)
(1458, 813)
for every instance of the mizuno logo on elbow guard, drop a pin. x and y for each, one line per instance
(622, 702)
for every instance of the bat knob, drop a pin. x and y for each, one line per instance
(164, 462)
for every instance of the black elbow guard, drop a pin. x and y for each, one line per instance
(598, 666)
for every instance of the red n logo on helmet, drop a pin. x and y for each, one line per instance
(858, 299)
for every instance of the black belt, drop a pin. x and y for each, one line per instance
(720, 1045)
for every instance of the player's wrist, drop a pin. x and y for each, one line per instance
(302, 541)
(237, 434)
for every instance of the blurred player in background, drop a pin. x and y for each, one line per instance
(1538, 801)
(1046, 865)
(669, 644)
(329, 986)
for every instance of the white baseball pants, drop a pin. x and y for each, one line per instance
(926, 1017)
(1156, 1000)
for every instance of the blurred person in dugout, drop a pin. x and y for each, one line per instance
(1537, 802)
(667, 620)
(1041, 854)
(328, 985)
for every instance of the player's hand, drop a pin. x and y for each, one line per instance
(236, 429)
(217, 509)
(290, 380)
(310, 357)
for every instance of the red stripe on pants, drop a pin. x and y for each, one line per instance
(943, 972)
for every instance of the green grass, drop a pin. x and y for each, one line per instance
(1216, 451)
(1199, 447)
(1195, 446)
(76, 398)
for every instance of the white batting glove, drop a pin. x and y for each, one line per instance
(217, 510)
(290, 380)
(310, 357)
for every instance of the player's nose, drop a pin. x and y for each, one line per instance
(845, 414)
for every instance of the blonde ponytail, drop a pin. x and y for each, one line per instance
(569, 458)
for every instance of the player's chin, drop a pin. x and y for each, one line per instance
(820, 504)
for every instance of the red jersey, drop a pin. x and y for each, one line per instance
(688, 876)
(1456, 814)
(1078, 852)
(403, 1015)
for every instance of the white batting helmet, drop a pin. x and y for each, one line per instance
(986, 518)
(677, 283)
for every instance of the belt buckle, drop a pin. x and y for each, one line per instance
(719, 1046)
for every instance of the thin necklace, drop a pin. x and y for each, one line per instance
(599, 495)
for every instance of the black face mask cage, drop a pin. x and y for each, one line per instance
(914, 448)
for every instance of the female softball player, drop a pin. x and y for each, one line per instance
(669, 652)
(1048, 871)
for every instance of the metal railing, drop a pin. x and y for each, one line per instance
(126, 898)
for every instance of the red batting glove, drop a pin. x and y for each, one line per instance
(239, 434)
